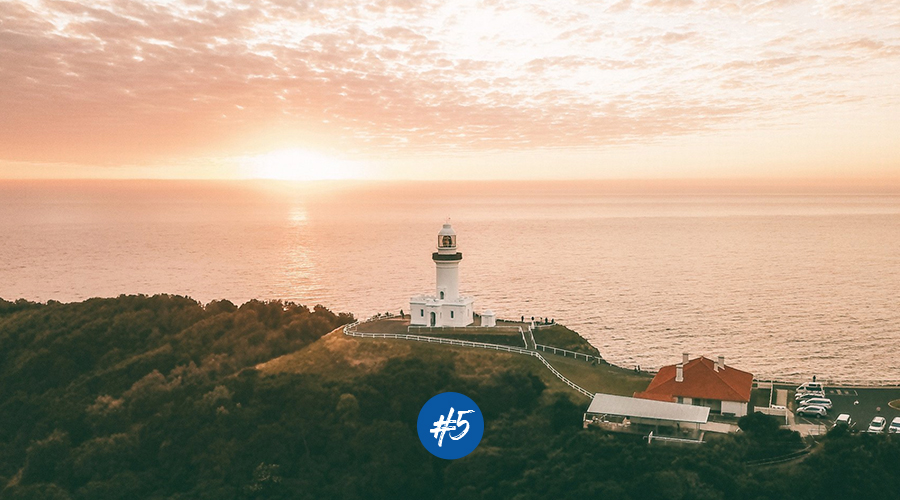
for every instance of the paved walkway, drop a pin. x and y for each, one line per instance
(720, 427)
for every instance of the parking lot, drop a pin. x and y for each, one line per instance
(862, 404)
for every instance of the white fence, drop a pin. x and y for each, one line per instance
(353, 332)
(566, 352)
(469, 329)
(667, 439)
(560, 375)
(829, 383)
(530, 336)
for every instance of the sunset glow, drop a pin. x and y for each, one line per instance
(299, 165)
(463, 89)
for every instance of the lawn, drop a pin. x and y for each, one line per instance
(486, 336)
(337, 356)
(503, 336)
(601, 377)
(759, 398)
(560, 336)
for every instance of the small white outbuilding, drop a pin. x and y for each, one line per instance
(488, 318)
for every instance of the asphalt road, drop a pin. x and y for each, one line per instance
(862, 405)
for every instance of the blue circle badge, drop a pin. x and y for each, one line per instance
(450, 425)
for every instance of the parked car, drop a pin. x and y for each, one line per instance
(894, 428)
(823, 402)
(877, 425)
(844, 419)
(811, 387)
(812, 411)
(800, 396)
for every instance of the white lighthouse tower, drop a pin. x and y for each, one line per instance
(446, 307)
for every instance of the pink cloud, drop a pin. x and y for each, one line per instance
(119, 80)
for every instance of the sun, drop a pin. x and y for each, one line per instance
(299, 165)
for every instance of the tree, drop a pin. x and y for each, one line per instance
(46, 459)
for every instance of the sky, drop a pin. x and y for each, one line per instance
(422, 89)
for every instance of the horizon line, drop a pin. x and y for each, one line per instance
(683, 185)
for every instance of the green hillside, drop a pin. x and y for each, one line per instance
(337, 356)
(162, 397)
(557, 335)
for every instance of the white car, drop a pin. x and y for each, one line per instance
(823, 402)
(800, 396)
(812, 411)
(811, 387)
(843, 419)
(894, 428)
(877, 425)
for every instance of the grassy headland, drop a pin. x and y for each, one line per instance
(510, 336)
(339, 357)
(557, 335)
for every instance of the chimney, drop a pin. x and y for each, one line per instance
(720, 364)
(679, 372)
(684, 358)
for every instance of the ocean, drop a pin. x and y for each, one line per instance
(785, 285)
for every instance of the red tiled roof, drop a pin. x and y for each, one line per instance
(655, 397)
(701, 381)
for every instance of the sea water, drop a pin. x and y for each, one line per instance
(783, 285)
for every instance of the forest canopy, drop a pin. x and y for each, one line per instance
(159, 397)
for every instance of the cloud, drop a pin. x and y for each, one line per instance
(118, 80)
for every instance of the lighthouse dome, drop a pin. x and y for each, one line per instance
(447, 230)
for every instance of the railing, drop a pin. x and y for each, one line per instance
(464, 328)
(830, 383)
(518, 329)
(439, 340)
(560, 375)
(668, 439)
(566, 352)
(351, 330)
(530, 336)
(780, 460)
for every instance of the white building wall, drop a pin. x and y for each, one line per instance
(448, 280)
(436, 310)
(417, 314)
(457, 314)
(735, 408)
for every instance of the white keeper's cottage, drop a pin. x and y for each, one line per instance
(446, 307)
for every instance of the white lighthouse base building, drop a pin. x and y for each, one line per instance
(428, 310)
(446, 307)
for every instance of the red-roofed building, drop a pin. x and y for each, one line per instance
(702, 382)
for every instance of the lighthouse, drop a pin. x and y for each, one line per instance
(446, 307)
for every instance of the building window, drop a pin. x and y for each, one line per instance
(422, 312)
(451, 314)
(442, 295)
